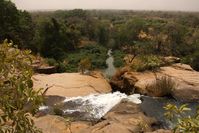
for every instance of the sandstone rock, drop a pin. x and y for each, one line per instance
(57, 124)
(161, 131)
(186, 81)
(70, 84)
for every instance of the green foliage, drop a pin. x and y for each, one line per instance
(162, 87)
(58, 42)
(185, 124)
(96, 53)
(195, 61)
(18, 100)
(59, 34)
(15, 25)
(147, 62)
(52, 62)
(118, 58)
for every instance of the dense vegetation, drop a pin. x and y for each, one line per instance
(60, 35)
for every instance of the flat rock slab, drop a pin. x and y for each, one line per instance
(70, 84)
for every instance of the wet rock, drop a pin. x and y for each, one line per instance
(126, 117)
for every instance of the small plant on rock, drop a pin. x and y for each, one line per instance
(146, 62)
(161, 87)
(84, 64)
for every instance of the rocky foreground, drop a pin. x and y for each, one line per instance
(126, 117)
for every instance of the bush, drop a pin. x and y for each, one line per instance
(161, 87)
(195, 61)
(185, 124)
(52, 62)
(18, 100)
(146, 62)
(118, 58)
(84, 64)
(192, 60)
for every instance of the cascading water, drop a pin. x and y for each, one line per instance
(94, 106)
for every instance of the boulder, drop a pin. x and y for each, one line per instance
(184, 78)
(70, 84)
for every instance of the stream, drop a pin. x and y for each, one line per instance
(110, 70)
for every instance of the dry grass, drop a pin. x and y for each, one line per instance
(161, 87)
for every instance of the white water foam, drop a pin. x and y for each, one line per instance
(97, 105)
(43, 107)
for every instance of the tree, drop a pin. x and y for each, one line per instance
(56, 39)
(15, 25)
(9, 20)
(18, 101)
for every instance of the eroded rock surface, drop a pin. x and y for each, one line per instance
(185, 78)
(70, 84)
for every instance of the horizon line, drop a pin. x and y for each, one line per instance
(68, 9)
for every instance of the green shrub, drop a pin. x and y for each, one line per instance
(161, 87)
(192, 60)
(118, 58)
(146, 62)
(185, 124)
(18, 100)
(52, 62)
(195, 61)
(84, 64)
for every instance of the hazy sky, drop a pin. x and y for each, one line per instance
(179, 5)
